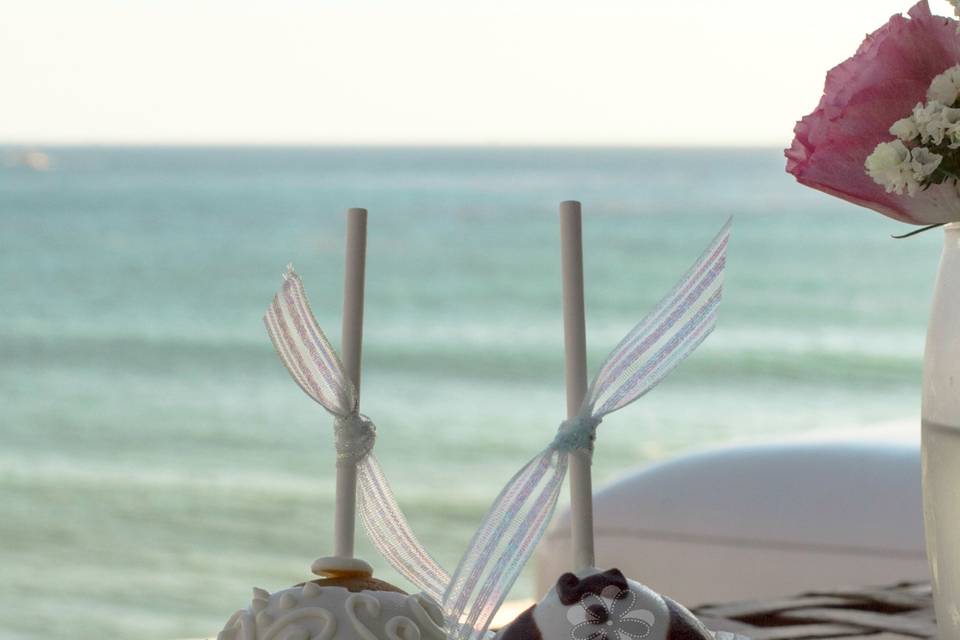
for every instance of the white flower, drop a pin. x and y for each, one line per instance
(905, 128)
(942, 122)
(923, 162)
(950, 122)
(888, 155)
(886, 165)
(899, 169)
(927, 117)
(612, 615)
(945, 88)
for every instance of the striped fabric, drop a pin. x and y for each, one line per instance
(391, 534)
(315, 366)
(502, 545)
(305, 350)
(667, 335)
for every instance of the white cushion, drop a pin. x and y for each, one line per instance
(758, 521)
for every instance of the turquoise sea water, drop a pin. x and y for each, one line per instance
(156, 461)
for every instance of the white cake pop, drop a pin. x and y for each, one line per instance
(346, 604)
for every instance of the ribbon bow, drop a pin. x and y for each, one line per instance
(520, 514)
(315, 366)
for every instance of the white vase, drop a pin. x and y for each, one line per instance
(940, 440)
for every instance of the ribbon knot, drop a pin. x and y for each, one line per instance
(354, 435)
(578, 432)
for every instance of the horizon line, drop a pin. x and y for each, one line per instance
(36, 145)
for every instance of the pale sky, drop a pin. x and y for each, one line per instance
(622, 72)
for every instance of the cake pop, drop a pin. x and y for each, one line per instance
(604, 605)
(519, 515)
(357, 606)
(346, 602)
(347, 607)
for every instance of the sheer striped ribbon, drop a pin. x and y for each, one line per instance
(315, 366)
(520, 514)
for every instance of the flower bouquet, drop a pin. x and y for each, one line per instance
(886, 135)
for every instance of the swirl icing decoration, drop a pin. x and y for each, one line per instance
(519, 516)
(312, 612)
(315, 366)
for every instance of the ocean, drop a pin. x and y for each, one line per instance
(156, 461)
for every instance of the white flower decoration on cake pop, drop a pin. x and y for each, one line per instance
(612, 615)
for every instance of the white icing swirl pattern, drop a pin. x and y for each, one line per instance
(402, 628)
(326, 632)
(354, 602)
(312, 612)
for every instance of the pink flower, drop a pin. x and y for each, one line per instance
(863, 97)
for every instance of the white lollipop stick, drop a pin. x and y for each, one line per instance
(351, 346)
(575, 370)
